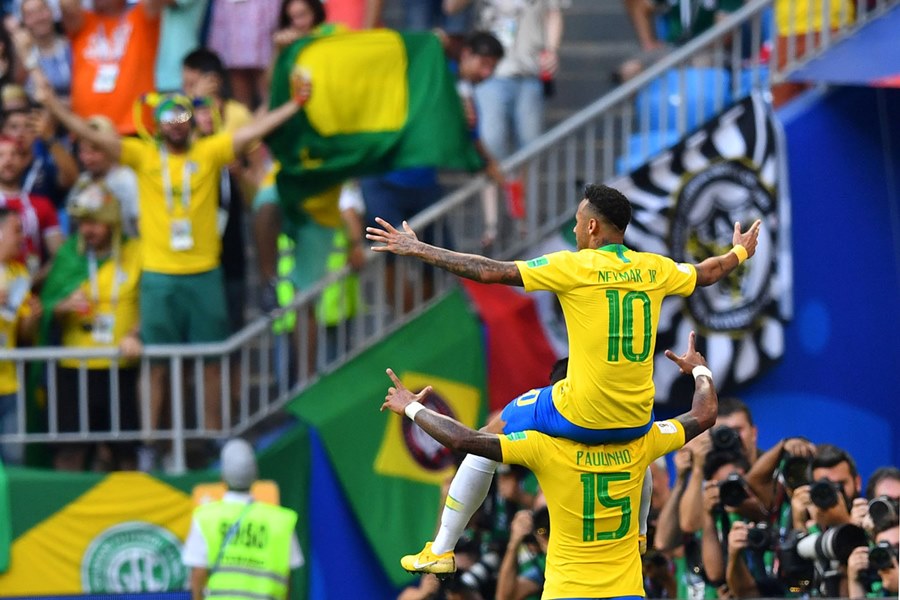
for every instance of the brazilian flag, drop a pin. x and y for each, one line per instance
(389, 469)
(381, 100)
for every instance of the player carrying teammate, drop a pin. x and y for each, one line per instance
(611, 298)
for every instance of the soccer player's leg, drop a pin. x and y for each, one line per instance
(467, 492)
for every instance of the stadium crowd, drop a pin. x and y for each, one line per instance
(125, 209)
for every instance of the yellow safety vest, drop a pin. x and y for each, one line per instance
(255, 563)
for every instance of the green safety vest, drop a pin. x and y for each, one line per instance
(339, 300)
(284, 287)
(255, 564)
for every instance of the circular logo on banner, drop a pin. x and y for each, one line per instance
(133, 557)
(707, 207)
(428, 452)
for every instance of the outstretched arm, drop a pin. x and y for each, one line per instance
(449, 432)
(268, 122)
(470, 266)
(705, 406)
(715, 268)
(110, 143)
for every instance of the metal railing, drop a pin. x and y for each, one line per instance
(260, 371)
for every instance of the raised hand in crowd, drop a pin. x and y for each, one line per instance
(856, 564)
(859, 514)
(711, 497)
(521, 525)
(800, 507)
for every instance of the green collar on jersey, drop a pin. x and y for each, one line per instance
(619, 249)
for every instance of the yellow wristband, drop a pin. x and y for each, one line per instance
(740, 252)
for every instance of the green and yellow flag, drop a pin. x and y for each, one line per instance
(391, 470)
(381, 100)
(121, 533)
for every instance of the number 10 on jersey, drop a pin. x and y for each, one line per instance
(621, 325)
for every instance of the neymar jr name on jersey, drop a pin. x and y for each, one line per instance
(632, 275)
(597, 458)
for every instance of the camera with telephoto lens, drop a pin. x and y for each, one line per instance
(836, 543)
(726, 439)
(795, 470)
(794, 570)
(825, 493)
(882, 556)
(733, 490)
(760, 537)
(883, 510)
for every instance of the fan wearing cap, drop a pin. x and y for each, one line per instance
(237, 546)
(91, 298)
(178, 183)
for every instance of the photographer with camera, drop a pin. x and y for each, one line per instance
(728, 501)
(882, 501)
(780, 470)
(825, 533)
(735, 432)
(872, 572)
(671, 542)
(835, 483)
(522, 571)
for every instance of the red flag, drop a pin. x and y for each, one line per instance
(519, 357)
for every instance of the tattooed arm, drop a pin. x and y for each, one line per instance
(705, 406)
(470, 266)
(459, 438)
(447, 431)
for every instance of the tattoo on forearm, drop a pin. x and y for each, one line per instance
(458, 437)
(471, 266)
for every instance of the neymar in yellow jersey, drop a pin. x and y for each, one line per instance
(611, 298)
(592, 490)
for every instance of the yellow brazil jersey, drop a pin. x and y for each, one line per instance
(593, 496)
(611, 300)
(14, 275)
(123, 313)
(197, 204)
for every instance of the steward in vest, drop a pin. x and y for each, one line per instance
(239, 548)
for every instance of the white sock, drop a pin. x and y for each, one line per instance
(467, 491)
(646, 493)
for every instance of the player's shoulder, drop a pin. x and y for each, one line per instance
(665, 434)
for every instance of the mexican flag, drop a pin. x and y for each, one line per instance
(390, 471)
(381, 100)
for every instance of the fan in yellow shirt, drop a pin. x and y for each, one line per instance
(19, 314)
(591, 491)
(178, 179)
(91, 293)
(611, 298)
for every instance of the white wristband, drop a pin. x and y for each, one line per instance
(698, 371)
(412, 409)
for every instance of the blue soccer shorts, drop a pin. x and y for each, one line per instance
(534, 411)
